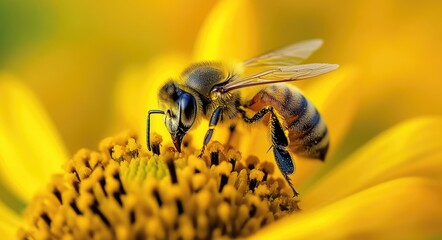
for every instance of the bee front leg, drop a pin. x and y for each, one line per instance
(279, 142)
(214, 119)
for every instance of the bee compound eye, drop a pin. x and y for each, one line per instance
(188, 109)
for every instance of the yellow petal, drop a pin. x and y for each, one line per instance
(413, 148)
(406, 208)
(229, 32)
(30, 149)
(9, 222)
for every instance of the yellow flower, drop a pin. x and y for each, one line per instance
(390, 187)
(400, 178)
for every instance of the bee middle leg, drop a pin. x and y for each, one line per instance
(279, 142)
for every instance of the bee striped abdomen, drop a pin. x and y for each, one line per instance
(307, 131)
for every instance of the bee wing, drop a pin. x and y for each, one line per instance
(286, 56)
(281, 74)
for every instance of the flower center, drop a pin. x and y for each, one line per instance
(123, 192)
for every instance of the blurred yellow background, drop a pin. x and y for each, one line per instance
(73, 53)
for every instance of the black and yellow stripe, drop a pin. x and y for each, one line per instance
(307, 131)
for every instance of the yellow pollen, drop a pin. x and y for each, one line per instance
(124, 192)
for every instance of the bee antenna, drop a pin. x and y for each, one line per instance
(148, 126)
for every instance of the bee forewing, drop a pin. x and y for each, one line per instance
(282, 74)
(303, 71)
(290, 55)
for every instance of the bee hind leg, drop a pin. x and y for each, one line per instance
(289, 181)
(279, 143)
(285, 164)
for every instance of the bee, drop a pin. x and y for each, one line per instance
(211, 90)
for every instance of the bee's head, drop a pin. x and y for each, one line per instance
(180, 109)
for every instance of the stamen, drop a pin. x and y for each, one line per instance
(267, 168)
(46, 218)
(156, 141)
(223, 182)
(224, 170)
(215, 148)
(255, 177)
(94, 208)
(233, 157)
(122, 192)
(252, 162)
(171, 166)
(74, 206)
(179, 206)
(157, 197)
(57, 194)
(102, 182)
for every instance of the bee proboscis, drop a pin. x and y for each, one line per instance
(211, 90)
